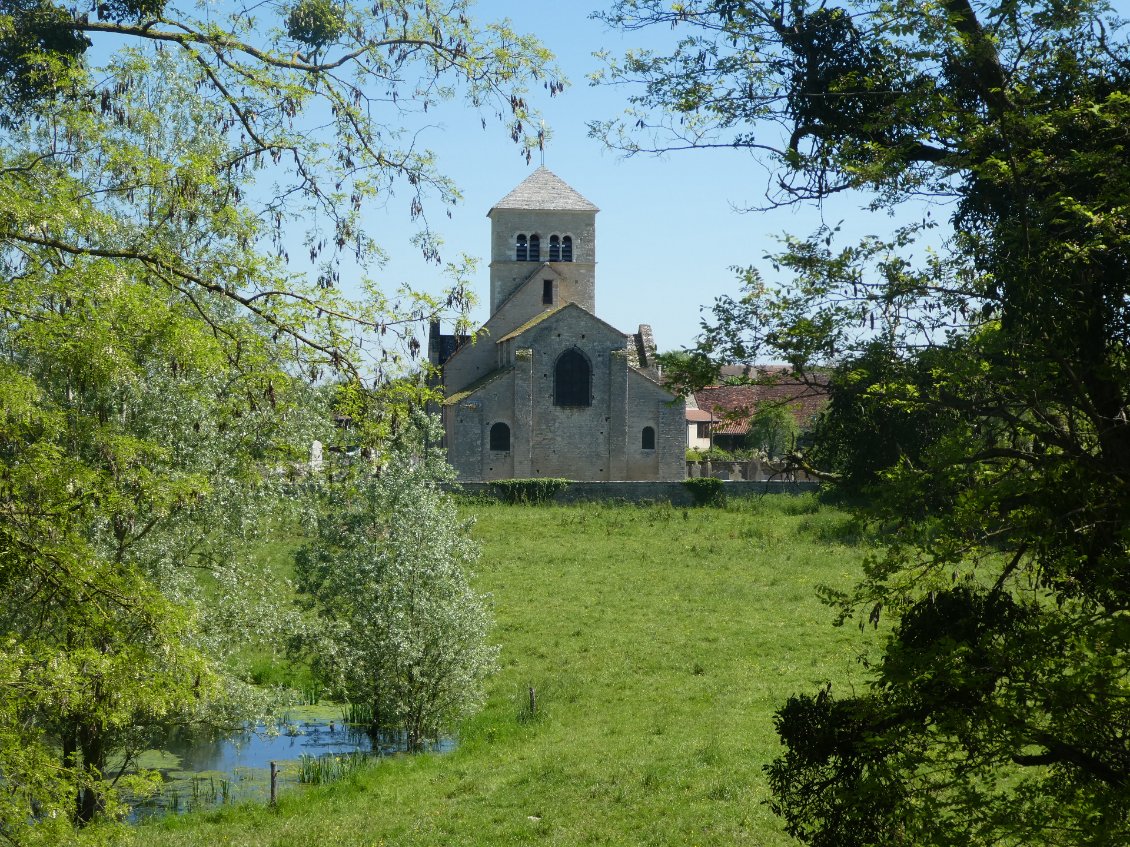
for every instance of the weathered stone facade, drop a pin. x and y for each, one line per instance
(548, 389)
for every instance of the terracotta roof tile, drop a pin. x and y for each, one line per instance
(734, 404)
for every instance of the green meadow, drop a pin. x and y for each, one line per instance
(658, 642)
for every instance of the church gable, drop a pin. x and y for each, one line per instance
(530, 324)
(471, 361)
(570, 321)
(548, 388)
(544, 288)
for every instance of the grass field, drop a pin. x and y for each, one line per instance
(658, 640)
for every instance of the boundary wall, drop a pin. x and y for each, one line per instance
(674, 493)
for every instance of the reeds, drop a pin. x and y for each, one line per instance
(358, 714)
(330, 767)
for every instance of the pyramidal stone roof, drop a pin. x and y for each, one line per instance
(545, 190)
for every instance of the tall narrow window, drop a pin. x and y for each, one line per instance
(520, 253)
(554, 248)
(572, 380)
(535, 249)
(500, 438)
(567, 249)
(648, 440)
(547, 291)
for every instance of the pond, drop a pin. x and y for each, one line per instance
(200, 773)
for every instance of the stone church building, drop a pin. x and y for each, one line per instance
(548, 389)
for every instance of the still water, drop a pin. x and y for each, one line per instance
(200, 773)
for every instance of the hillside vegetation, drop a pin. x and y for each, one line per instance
(658, 640)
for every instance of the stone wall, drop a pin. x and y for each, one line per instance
(751, 470)
(674, 493)
(506, 274)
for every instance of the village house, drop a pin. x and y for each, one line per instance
(721, 416)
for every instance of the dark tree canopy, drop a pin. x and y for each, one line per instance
(993, 373)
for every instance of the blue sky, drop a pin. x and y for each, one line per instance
(667, 232)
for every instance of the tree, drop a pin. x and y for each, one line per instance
(997, 708)
(398, 628)
(772, 431)
(156, 350)
(876, 417)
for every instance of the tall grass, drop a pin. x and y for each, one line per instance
(330, 767)
(659, 642)
(357, 714)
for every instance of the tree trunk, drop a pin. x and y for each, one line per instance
(91, 800)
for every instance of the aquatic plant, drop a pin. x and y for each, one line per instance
(319, 770)
(357, 714)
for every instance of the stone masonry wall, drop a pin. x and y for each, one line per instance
(574, 442)
(506, 274)
(649, 405)
(674, 493)
(602, 441)
(468, 432)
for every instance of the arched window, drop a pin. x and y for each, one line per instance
(520, 253)
(572, 380)
(500, 437)
(535, 249)
(648, 440)
(567, 249)
(554, 248)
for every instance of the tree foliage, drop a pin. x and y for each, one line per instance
(876, 417)
(992, 371)
(157, 349)
(773, 430)
(397, 627)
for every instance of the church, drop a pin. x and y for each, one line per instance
(546, 388)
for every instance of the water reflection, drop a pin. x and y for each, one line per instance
(259, 747)
(201, 772)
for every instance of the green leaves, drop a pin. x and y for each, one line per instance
(398, 627)
(161, 364)
(979, 398)
(315, 22)
(40, 53)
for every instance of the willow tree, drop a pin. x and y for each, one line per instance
(998, 706)
(396, 627)
(157, 163)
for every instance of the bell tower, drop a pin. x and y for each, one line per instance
(544, 221)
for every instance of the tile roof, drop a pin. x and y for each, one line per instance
(734, 404)
(532, 322)
(481, 382)
(447, 345)
(545, 190)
